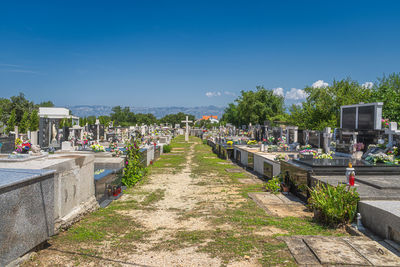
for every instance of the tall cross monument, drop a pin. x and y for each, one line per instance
(187, 121)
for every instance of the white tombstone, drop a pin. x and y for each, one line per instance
(187, 121)
(66, 146)
(327, 137)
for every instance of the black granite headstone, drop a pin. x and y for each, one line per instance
(349, 118)
(366, 117)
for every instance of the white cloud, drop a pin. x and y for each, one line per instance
(278, 91)
(229, 93)
(296, 94)
(212, 94)
(368, 85)
(319, 84)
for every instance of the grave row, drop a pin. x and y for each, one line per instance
(304, 158)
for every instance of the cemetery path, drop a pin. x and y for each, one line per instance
(189, 211)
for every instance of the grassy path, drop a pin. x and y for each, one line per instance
(188, 212)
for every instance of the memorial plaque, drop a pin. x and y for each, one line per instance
(349, 118)
(315, 138)
(366, 117)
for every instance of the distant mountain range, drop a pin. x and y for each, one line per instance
(159, 112)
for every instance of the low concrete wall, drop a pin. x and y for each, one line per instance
(259, 165)
(382, 218)
(74, 187)
(243, 155)
(26, 205)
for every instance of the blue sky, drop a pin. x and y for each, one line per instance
(190, 53)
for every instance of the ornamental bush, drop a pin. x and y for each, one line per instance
(167, 148)
(273, 185)
(334, 206)
(134, 170)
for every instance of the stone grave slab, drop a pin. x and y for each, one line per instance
(381, 182)
(234, 170)
(335, 251)
(339, 251)
(280, 205)
(374, 252)
(300, 251)
(248, 181)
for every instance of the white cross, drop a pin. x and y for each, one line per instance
(187, 121)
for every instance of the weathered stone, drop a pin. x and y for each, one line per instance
(27, 207)
(335, 251)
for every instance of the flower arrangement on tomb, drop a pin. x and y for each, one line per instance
(97, 148)
(358, 146)
(229, 143)
(324, 155)
(385, 123)
(305, 147)
(113, 146)
(22, 146)
(271, 139)
(252, 142)
(117, 153)
(272, 148)
(281, 157)
(308, 152)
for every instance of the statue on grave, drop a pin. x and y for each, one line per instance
(54, 134)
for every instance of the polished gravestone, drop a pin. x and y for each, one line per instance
(373, 181)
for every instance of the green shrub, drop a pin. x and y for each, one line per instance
(205, 141)
(273, 185)
(334, 206)
(134, 169)
(167, 148)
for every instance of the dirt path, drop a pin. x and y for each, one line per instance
(189, 212)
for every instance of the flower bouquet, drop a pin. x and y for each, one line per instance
(97, 148)
(113, 146)
(22, 147)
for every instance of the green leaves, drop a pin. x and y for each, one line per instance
(254, 107)
(334, 205)
(134, 170)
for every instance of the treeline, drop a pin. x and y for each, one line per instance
(125, 117)
(19, 111)
(321, 107)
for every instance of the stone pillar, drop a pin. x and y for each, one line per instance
(16, 132)
(327, 137)
(34, 137)
(295, 134)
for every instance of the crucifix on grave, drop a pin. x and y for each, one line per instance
(187, 121)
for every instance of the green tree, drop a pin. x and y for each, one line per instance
(24, 123)
(11, 123)
(34, 121)
(231, 115)
(254, 107)
(5, 106)
(387, 90)
(177, 118)
(104, 120)
(322, 106)
(46, 104)
(20, 104)
(91, 120)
